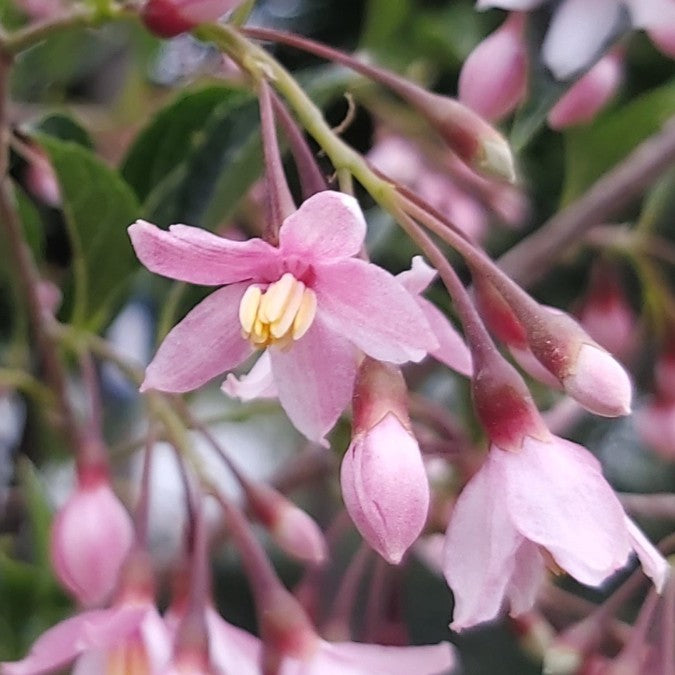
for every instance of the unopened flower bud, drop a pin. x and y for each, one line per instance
(168, 18)
(384, 484)
(493, 79)
(587, 372)
(292, 528)
(584, 100)
(91, 536)
(663, 37)
(599, 383)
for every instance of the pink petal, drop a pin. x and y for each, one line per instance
(528, 575)
(418, 277)
(206, 343)
(558, 498)
(61, 644)
(315, 379)
(577, 33)
(385, 488)
(232, 649)
(480, 548)
(366, 304)
(327, 225)
(259, 383)
(586, 97)
(493, 79)
(197, 256)
(452, 350)
(381, 660)
(654, 565)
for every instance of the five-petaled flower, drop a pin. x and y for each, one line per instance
(310, 302)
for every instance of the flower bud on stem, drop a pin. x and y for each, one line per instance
(480, 145)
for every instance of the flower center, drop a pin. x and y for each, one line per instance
(283, 313)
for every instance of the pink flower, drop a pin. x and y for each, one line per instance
(385, 487)
(309, 302)
(91, 536)
(168, 18)
(353, 658)
(580, 29)
(547, 501)
(493, 80)
(589, 95)
(233, 650)
(128, 639)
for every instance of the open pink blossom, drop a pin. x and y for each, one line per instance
(581, 29)
(548, 501)
(101, 641)
(234, 650)
(309, 302)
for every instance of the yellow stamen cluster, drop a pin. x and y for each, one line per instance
(283, 313)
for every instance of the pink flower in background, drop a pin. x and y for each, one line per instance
(589, 95)
(91, 536)
(168, 18)
(493, 79)
(547, 501)
(580, 29)
(310, 303)
(129, 638)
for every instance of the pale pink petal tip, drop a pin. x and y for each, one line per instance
(493, 79)
(586, 98)
(385, 488)
(654, 565)
(599, 383)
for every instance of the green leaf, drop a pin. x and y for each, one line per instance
(383, 20)
(98, 207)
(64, 127)
(223, 160)
(169, 137)
(33, 229)
(592, 150)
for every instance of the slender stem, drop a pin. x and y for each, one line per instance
(311, 178)
(26, 269)
(78, 17)
(280, 202)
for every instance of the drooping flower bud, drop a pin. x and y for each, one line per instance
(586, 371)
(584, 100)
(91, 536)
(384, 484)
(168, 18)
(493, 79)
(292, 528)
(663, 38)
